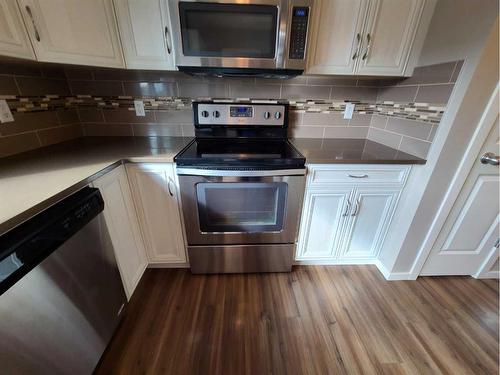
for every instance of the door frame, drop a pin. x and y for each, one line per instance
(484, 127)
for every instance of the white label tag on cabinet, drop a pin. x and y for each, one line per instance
(349, 110)
(139, 108)
(5, 113)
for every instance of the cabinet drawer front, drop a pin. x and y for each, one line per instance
(321, 175)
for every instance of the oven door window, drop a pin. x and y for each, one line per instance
(228, 30)
(241, 207)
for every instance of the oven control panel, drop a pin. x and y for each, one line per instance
(240, 114)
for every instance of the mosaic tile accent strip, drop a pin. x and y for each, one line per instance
(427, 112)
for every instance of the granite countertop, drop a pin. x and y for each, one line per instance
(351, 151)
(34, 180)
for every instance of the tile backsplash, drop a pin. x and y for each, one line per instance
(54, 103)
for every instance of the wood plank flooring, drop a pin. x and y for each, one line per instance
(315, 320)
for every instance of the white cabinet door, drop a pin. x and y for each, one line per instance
(73, 31)
(468, 242)
(14, 39)
(121, 220)
(322, 222)
(156, 199)
(336, 36)
(145, 33)
(369, 218)
(388, 36)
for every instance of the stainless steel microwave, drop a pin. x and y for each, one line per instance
(240, 36)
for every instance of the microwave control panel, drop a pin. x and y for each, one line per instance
(298, 34)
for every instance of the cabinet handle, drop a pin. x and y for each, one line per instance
(367, 50)
(37, 35)
(356, 207)
(169, 189)
(358, 176)
(358, 40)
(347, 208)
(166, 40)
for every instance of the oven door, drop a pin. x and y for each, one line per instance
(241, 209)
(229, 33)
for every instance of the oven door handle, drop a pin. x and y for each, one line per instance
(224, 173)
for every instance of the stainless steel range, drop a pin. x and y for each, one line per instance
(242, 185)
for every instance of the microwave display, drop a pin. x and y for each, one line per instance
(228, 30)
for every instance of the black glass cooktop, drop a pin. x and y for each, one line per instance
(244, 153)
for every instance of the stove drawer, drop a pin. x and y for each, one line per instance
(320, 174)
(241, 258)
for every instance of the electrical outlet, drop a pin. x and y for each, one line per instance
(139, 108)
(349, 110)
(5, 113)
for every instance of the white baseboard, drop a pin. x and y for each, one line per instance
(393, 276)
(321, 262)
(488, 275)
(331, 262)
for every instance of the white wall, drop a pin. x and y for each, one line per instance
(458, 29)
(471, 22)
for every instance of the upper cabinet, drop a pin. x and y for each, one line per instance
(145, 34)
(390, 29)
(73, 31)
(14, 40)
(367, 37)
(336, 36)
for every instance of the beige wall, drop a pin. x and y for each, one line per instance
(457, 30)
(428, 185)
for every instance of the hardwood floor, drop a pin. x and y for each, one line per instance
(315, 320)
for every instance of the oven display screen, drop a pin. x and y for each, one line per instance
(240, 111)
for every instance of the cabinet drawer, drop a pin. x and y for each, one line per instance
(381, 174)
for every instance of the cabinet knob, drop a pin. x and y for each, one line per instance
(347, 208)
(356, 207)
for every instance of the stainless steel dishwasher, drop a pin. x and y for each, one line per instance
(61, 292)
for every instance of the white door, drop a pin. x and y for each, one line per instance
(145, 34)
(156, 199)
(372, 210)
(323, 216)
(336, 36)
(388, 36)
(14, 39)
(82, 32)
(468, 239)
(121, 219)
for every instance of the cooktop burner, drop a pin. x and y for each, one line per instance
(236, 153)
(240, 136)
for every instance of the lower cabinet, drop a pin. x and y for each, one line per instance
(366, 225)
(156, 199)
(345, 221)
(121, 221)
(323, 216)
